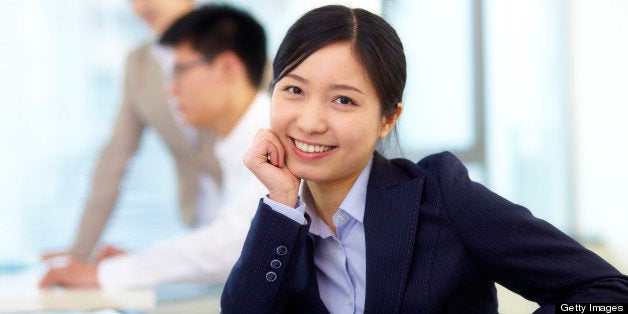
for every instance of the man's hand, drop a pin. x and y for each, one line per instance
(75, 274)
(107, 252)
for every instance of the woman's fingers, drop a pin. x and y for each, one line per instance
(266, 160)
(275, 151)
(266, 147)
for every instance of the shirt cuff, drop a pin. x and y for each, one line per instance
(297, 214)
(121, 273)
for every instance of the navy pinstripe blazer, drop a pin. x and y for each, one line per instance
(436, 242)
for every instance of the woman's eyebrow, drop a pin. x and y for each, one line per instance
(345, 87)
(331, 86)
(298, 78)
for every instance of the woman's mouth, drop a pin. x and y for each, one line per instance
(310, 148)
(310, 151)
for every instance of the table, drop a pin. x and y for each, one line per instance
(19, 294)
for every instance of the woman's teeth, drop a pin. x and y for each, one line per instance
(311, 148)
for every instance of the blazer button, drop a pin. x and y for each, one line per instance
(271, 276)
(282, 250)
(275, 263)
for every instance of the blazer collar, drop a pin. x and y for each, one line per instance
(390, 226)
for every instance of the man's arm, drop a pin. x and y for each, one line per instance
(204, 255)
(110, 168)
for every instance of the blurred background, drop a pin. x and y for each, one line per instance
(530, 94)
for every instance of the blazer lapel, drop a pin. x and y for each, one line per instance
(390, 225)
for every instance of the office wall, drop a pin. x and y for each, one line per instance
(599, 66)
(527, 136)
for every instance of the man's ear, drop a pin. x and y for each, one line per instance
(228, 64)
(388, 123)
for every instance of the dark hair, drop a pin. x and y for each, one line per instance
(374, 41)
(212, 29)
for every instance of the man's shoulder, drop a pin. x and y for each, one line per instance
(140, 52)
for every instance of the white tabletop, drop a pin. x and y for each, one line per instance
(19, 293)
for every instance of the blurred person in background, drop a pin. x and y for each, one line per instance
(145, 103)
(219, 61)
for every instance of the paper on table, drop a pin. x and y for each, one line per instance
(19, 293)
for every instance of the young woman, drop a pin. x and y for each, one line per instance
(370, 234)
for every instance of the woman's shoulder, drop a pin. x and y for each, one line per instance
(441, 170)
(439, 164)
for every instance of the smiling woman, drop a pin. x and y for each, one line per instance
(328, 107)
(378, 235)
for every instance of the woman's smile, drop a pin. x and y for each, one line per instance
(309, 150)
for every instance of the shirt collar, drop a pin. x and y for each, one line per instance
(239, 140)
(354, 203)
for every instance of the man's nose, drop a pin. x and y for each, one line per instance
(173, 88)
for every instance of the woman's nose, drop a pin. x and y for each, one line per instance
(313, 118)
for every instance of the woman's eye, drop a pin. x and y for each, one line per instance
(344, 100)
(294, 90)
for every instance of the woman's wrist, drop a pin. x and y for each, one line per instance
(288, 199)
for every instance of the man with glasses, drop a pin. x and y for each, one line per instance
(145, 104)
(219, 60)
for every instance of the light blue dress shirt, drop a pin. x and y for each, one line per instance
(340, 258)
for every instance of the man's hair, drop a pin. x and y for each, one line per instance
(213, 29)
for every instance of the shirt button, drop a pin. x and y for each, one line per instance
(341, 217)
(282, 250)
(350, 301)
(275, 263)
(271, 276)
(339, 246)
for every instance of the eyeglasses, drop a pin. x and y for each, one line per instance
(180, 68)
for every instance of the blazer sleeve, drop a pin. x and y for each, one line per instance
(525, 254)
(265, 272)
(110, 168)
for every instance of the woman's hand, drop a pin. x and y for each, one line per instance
(266, 159)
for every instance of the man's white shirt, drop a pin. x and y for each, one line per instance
(208, 253)
(208, 189)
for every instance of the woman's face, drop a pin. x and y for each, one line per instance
(327, 115)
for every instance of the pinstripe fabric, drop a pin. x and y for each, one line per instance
(435, 243)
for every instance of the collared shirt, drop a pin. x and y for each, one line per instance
(208, 189)
(340, 258)
(208, 253)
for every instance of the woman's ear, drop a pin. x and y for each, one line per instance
(388, 123)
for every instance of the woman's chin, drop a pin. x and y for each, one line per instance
(303, 173)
